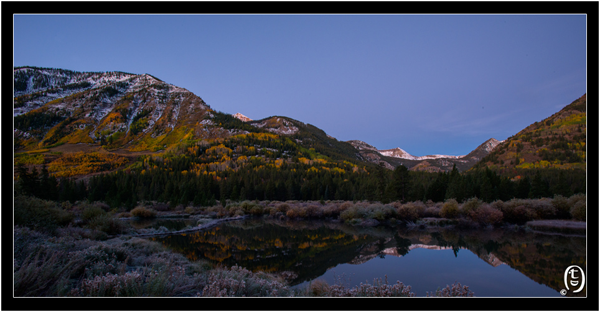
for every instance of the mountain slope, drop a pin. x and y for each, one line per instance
(114, 109)
(83, 124)
(558, 141)
(312, 139)
(432, 163)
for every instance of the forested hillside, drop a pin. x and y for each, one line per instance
(124, 138)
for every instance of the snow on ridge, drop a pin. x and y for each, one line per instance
(440, 156)
(242, 117)
(400, 153)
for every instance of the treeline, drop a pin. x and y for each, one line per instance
(489, 186)
(297, 181)
(266, 166)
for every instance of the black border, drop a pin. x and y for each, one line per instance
(590, 8)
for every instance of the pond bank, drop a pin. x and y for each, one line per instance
(558, 227)
(193, 229)
(547, 227)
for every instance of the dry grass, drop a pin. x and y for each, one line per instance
(558, 226)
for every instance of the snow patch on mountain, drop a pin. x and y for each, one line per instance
(241, 117)
(400, 153)
(278, 125)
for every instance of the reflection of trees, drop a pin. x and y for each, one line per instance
(270, 248)
(543, 258)
(402, 244)
(310, 248)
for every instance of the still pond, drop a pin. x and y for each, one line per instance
(493, 262)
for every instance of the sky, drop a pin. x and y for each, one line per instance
(429, 84)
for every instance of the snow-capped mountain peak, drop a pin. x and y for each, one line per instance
(242, 117)
(400, 153)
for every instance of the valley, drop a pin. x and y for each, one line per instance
(93, 151)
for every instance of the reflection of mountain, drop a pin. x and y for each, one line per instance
(542, 258)
(489, 258)
(309, 249)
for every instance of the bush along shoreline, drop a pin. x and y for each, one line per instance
(83, 249)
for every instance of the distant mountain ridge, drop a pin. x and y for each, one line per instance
(433, 163)
(400, 153)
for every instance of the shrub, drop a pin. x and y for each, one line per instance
(248, 206)
(408, 212)
(470, 205)
(296, 212)
(141, 212)
(91, 211)
(543, 208)
(486, 215)
(432, 212)
(378, 289)
(345, 205)
(498, 204)
(563, 209)
(26, 242)
(45, 274)
(318, 288)
(380, 212)
(39, 214)
(576, 198)
(517, 214)
(578, 211)
(107, 224)
(283, 207)
(111, 285)
(450, 209)
(168, 282)
(332, 210)
(354, 212)
(99, 259)
(457, 290)
(256, 210)
(314, 211)
(530, 209)
(239, 282)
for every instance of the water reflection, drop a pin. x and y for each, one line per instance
(169, 224)
(515, 263)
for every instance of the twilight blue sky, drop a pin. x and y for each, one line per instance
(430, 84)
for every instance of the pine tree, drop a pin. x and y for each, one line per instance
(523, 188)
(400, 183)
(539, 187)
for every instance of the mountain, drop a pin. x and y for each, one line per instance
(113, 109)
(432, 163)
(115, 116)
(125, 113)
(400, 153)
(241, 117)
(370, 154)
(121, 138)
(558, 141)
